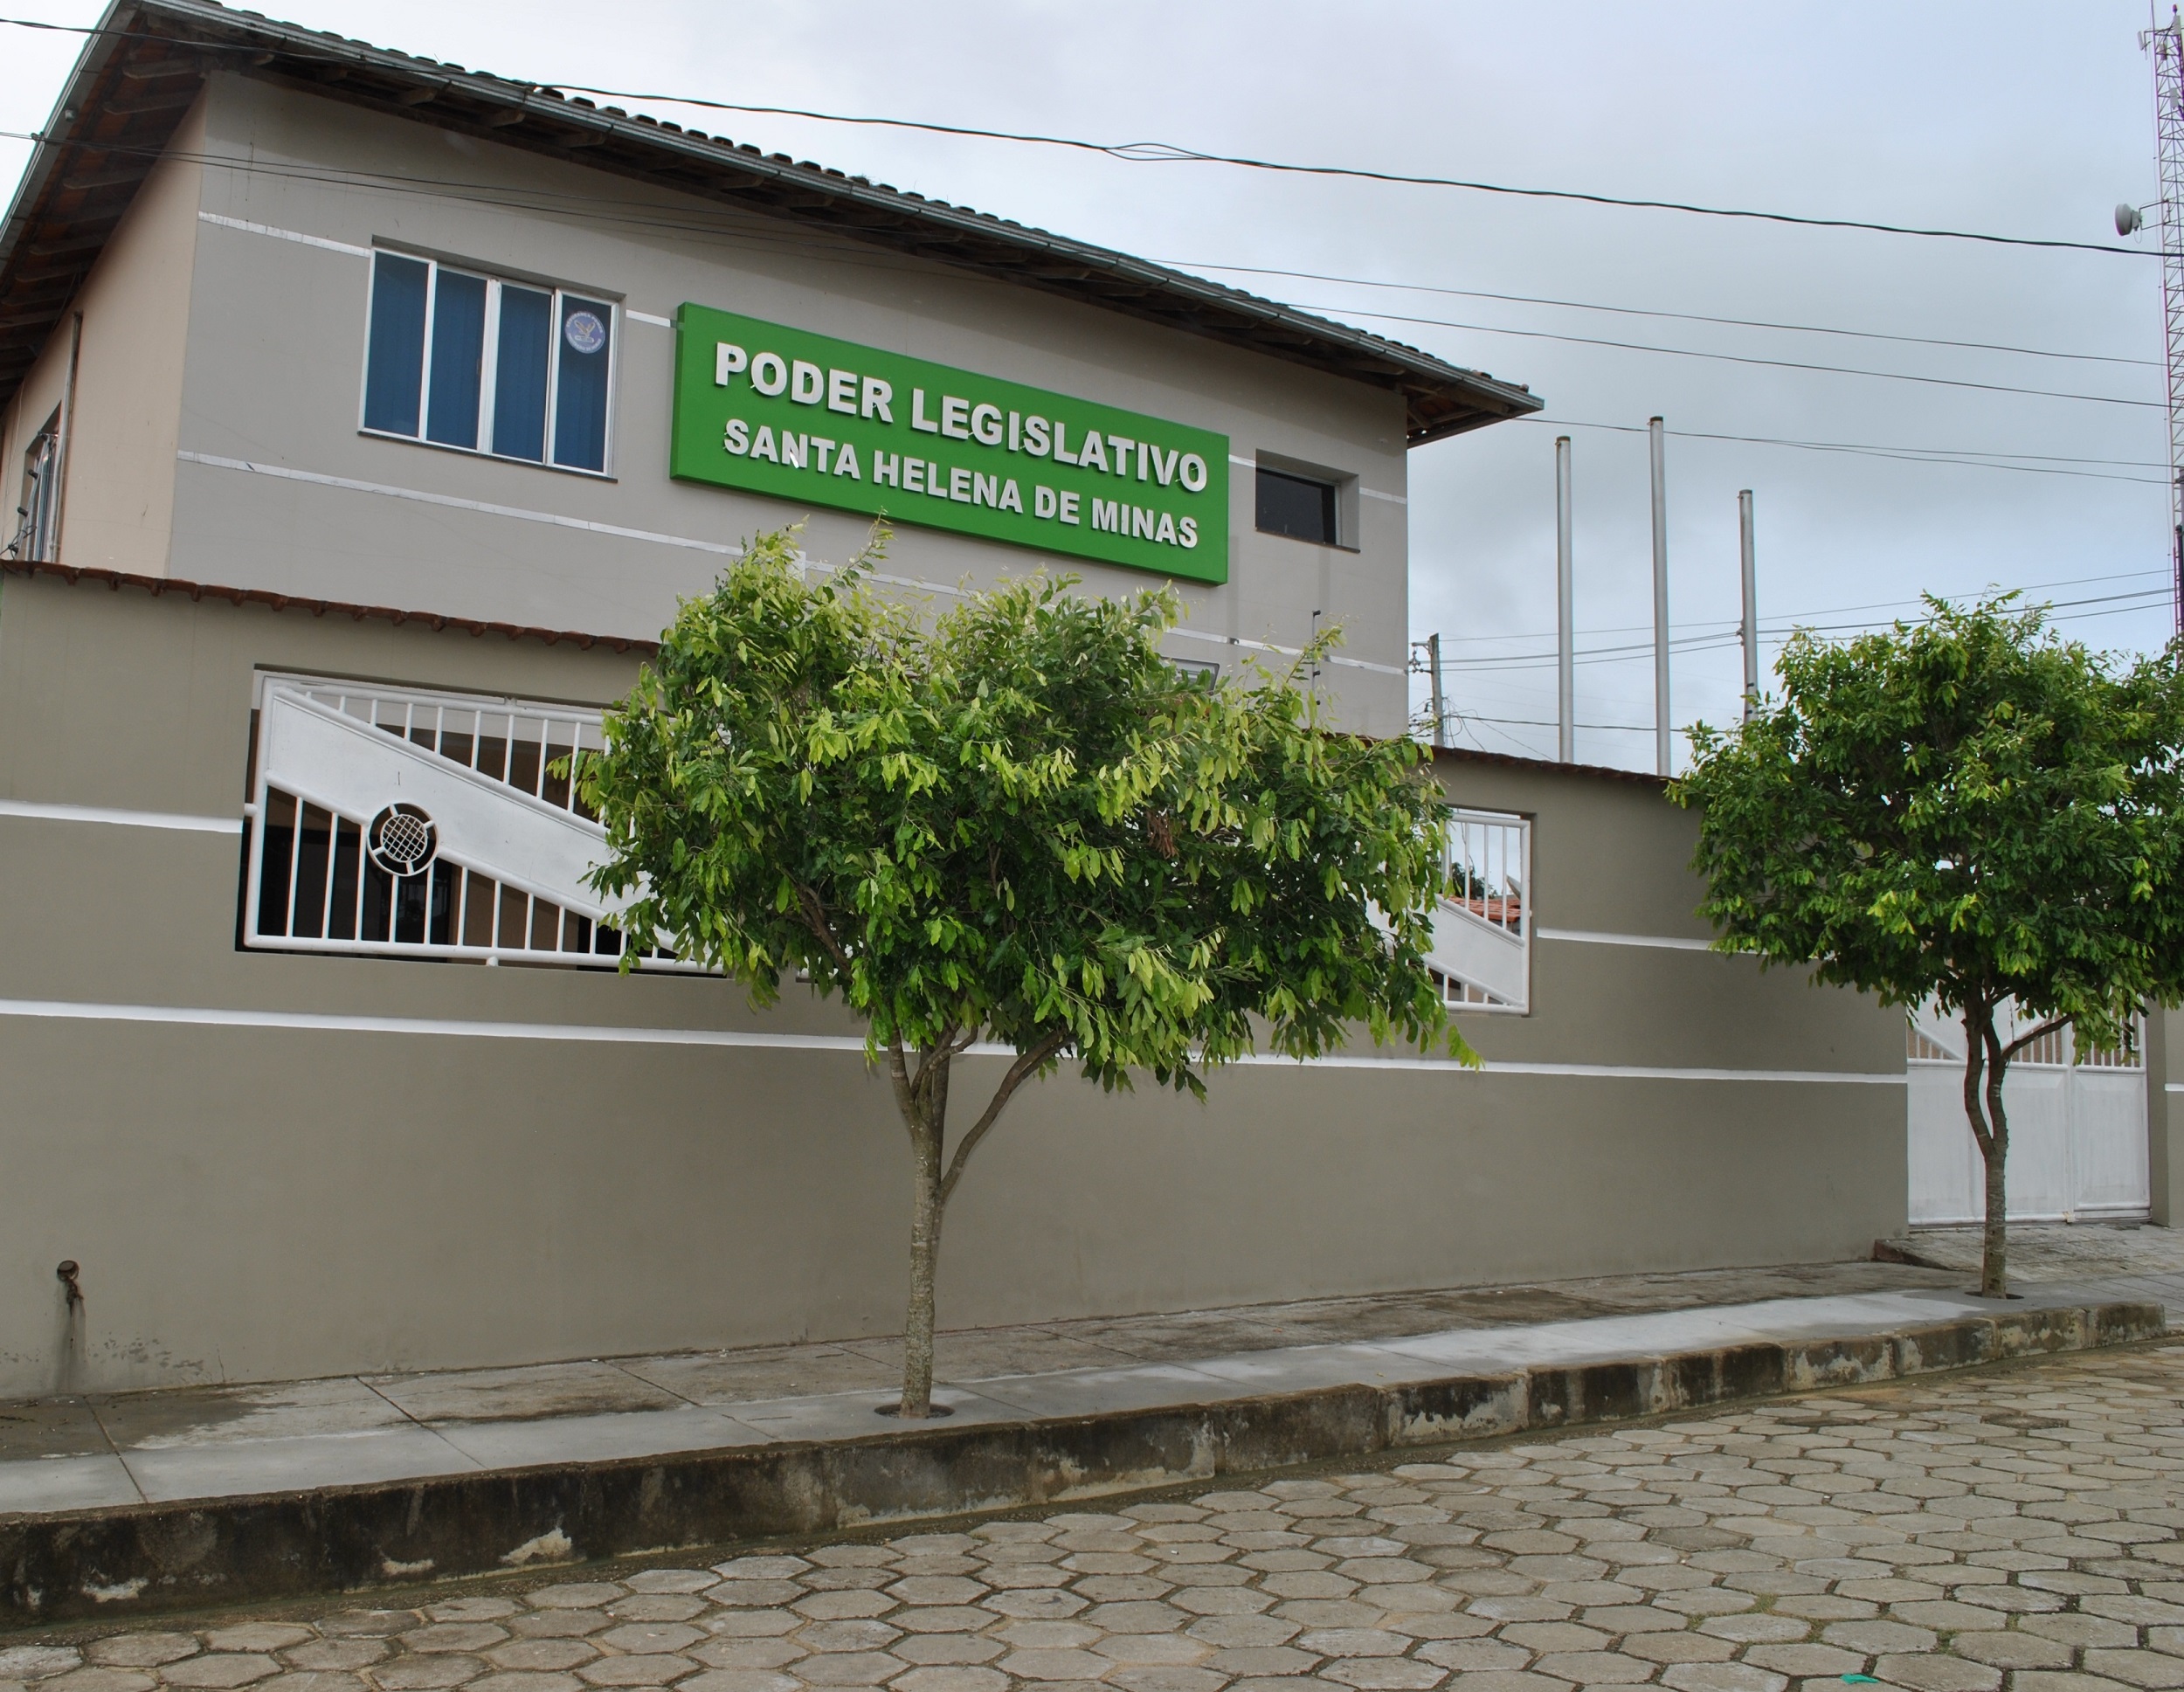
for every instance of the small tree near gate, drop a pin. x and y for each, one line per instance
(1970, 808)
(1020, 825)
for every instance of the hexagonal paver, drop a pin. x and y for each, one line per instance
(427, 1674)
(220, 1671)
(542, 1654)
(453, 1636)
(651, 1669)
(1945, 1534)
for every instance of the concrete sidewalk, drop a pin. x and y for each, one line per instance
(105, 1451)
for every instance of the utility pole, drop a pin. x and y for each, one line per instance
(1433, 670)
(1748, 559)
(1656, 436)
(1565, 636)
(2167, 45)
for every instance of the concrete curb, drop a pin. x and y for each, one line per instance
(124, 1563)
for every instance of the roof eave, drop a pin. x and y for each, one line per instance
(1440, 400)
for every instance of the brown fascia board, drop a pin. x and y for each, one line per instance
(122, 101)
(162, 586)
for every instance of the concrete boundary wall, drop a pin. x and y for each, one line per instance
(278, 1166)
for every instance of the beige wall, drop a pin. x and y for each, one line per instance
(119, 488)
(276, 353)
(257, 1202)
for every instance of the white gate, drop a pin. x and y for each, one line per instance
(2078, 1131)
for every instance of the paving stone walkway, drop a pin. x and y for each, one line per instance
(2010, 1530)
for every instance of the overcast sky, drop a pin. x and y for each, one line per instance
(2011, 118)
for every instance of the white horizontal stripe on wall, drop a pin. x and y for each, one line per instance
(295, 235)
(92, 813)
(647, 317)
(520, 513)
(1393, 499)
(1596, 937)
(598, 1033)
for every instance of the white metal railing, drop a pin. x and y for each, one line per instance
(1483, 932)
(1933, 1036)
(391, 821)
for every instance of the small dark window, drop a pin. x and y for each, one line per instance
(1297, 506)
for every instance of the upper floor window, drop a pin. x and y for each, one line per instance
(1305, 501)
(1295, 506)
(37, 518)
(470, 360)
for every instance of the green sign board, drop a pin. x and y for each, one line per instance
(805, 417)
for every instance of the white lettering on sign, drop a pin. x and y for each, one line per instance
(870, 397)
(961, 483)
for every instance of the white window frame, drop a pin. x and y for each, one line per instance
(381, 705)
(488, 366)
(34, 537)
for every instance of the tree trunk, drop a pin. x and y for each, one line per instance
(925, 1219)
(1984, 1063)
(1995, 1251)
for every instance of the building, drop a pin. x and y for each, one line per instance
(370, 415)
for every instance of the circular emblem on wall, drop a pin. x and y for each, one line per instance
(584, 331)
(402, 839)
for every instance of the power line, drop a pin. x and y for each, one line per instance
(1676, 317)
(2141, 600)
(1160, 152)
(1964, 458)
(1742, 358)
(621, 212)
(1821, 610)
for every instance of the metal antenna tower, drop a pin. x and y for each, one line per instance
(2167, 45)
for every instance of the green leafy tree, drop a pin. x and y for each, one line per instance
(1014, 824)
(1971, 809)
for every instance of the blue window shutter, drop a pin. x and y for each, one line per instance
(459, 346)
(587, 351)
(519, 383)
(394, 377)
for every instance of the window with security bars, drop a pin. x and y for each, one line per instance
(1481, 953)
(389, 821)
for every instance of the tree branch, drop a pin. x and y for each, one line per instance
(2026, 1038)
(1028, 1064)
(815, 916)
